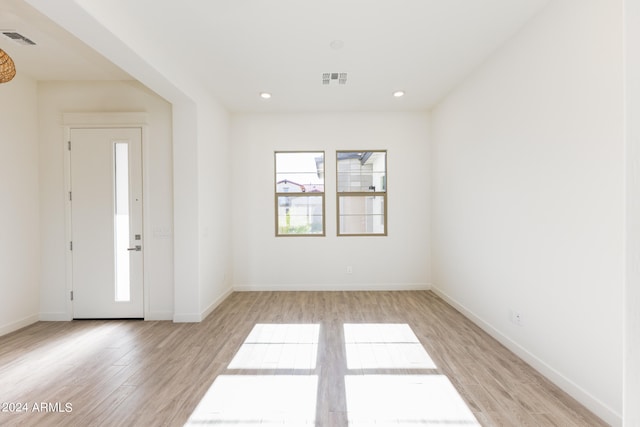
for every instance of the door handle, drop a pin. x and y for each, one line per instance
(137, 248)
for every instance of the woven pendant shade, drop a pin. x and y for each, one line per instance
(7, 67)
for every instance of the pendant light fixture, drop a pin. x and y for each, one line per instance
(7, 67)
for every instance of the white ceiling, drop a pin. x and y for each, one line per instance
(239, 48)
(57, 55)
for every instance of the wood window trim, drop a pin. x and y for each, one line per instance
(278, 195)
(374, 194)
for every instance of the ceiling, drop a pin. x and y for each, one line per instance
(239, 48)
(57, 54)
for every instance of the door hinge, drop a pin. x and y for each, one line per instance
(70, 246)
(71, 294)
(69, 145)
(69, 195)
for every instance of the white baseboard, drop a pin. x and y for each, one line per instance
(199, 317)
(54, 317)
(187, 318)
(18, 324)
(64, 317)
(158, 315)
(333, 287)
(216, 303)
(581, 395)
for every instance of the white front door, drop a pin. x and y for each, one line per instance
(106, 223)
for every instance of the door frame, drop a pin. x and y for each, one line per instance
(104, 121)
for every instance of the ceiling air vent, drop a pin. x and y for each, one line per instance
(18, 38)
(328, 78)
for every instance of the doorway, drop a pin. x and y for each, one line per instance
(105, 170)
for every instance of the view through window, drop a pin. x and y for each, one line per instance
(299, 193)
(362, 192)
(121, 221)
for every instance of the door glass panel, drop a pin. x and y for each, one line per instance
(121, 161)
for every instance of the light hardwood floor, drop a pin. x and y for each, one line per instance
(135, 373)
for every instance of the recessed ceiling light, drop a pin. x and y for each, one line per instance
(398, 93)
(265, 95)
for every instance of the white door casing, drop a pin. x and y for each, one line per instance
(99, 212)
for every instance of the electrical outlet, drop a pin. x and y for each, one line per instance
(515, 317)
(349, 269)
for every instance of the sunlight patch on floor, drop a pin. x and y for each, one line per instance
(384, 346)
(279, 398)
(279, 346)
(242, 400)
(405, 400)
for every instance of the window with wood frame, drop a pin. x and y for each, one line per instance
(362, 192)
(299, 193)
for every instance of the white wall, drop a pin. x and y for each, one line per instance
(202, 213)
(19, 234)
(398, 261)
(56, 98)
(214, 185)
(195, 131)
(186, 213)
(632, 295)
(528, 198)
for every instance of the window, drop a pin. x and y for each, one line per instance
(362, 192)
(121, 223)
(299, 193)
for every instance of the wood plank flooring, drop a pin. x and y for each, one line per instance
(136, 373)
